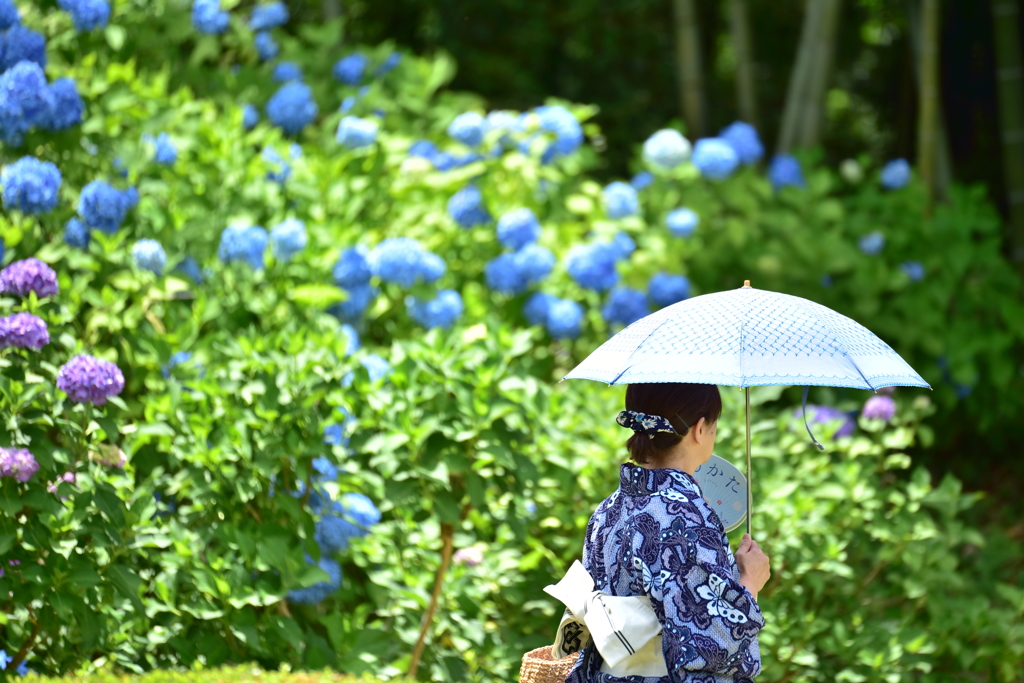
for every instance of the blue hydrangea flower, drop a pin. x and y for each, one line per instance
(283, 168)
(131, 197)
(593, 265)
(68, 107)
(468, 128)
(623, 245)
(785, 170)
(292, 107)
(87, 14)
(76, 234)
(642, 180)
(352, 308)
(424, 149)
(21, 44)
(243, 243)
(347, 104)
(872, 243)
(333, 533)
(390, 63)
(568, 132)
(351, 339)
(250, 117)
(190, 268)
(266, 47)
(30, 186)
(318, 592)
(564, 319)
(467, 207)
(503, 275)
(378, 367)
(665, 289)
(354, 132)
(8, 15)
(744, 139)
(287, 239)
(102, 206)
(465, 160)
(666, 149)
(119, 167)
(164, 151)
(22, 669)
(914, 270)
(625, 305)
(534, 262)
(441, 311)
(149, 255)
(286, 71)
(517, 228)
(682, 222)
(25, 100)
(403, 260)
(267, 16)
(896, 174)
(536, 307)
(620, 200)
(826, 280)
(715, 158)
(349, 70)
(207, 17)
(352, 268)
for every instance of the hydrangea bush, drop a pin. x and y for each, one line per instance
(224, 452)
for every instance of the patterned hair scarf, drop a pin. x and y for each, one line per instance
(642, 423)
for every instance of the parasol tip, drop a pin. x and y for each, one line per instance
(746, 283)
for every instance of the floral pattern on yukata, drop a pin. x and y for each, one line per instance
(656, 536)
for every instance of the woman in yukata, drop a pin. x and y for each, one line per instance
(657, 539)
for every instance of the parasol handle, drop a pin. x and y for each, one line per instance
(750, 482)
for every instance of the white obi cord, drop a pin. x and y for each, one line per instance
(625, 630)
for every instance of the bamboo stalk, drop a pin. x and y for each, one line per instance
(943, 160)
(824, 42)
(447, 541)
(688, 66)
(791, 113)
(1010, 84)
(746, 92)
(928, 96)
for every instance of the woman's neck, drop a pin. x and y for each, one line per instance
(679, 457)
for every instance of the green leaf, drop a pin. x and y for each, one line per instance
(316, 295)
(110, 505)
(115, 36)
(127, 584)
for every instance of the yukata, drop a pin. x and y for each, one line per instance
(657, 537)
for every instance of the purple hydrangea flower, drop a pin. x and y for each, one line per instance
(29, 275)
(87, 379)
(30, 185)
(879, 408)
(23, 331)
(825, 414)
(17, 463)
(471, 556)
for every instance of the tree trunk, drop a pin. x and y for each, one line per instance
(928, 88)
(943, 158)
(798, 80)
(821, 69)
(691, 82)
(1006, 32)
(746, 92)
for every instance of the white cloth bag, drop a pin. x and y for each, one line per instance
(625, 630)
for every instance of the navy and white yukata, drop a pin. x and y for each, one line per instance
(656, 536)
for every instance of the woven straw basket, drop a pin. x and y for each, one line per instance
(539, 667)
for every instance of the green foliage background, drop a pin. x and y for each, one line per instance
(878, 571)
